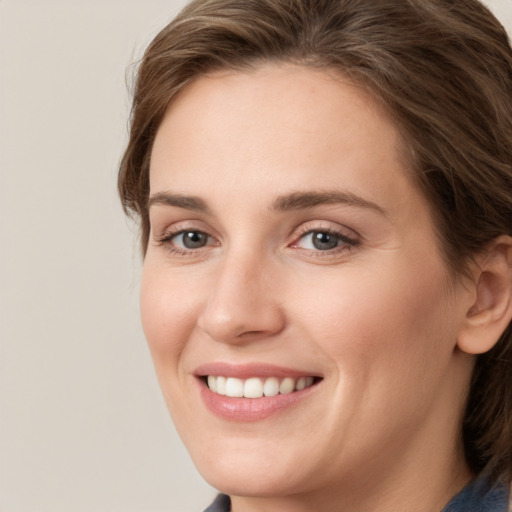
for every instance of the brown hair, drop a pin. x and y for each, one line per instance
(442, 68)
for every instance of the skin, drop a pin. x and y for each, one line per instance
(379, 318)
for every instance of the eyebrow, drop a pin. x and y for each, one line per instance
(179, 201)
(289, 202)
(305, 200)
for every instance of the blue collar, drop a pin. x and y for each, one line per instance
(480, 496)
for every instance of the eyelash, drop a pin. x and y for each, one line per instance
(166, 241)
(346, 243)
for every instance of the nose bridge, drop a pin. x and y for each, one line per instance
(242, 303)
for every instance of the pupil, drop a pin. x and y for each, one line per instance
(323, 241)
(194, 239)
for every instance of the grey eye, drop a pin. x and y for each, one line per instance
(191, 239)
(321, 240)
(324, 241)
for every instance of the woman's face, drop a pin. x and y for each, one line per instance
(291, 255)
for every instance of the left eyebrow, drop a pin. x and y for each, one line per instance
(179, 201)
(305, 200)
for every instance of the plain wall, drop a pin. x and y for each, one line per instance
(82, 424)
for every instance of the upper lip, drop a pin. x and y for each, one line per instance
(247, 370)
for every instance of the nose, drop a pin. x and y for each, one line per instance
(242, 304)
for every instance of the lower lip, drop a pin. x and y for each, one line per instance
(250, 409)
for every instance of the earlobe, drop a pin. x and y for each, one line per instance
(491, 311)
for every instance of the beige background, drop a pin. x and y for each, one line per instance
(82, 424)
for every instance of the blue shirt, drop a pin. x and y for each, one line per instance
(480, 496)
(477, 496)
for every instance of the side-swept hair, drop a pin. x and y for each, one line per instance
(443, 71)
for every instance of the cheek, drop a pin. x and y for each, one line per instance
(389, 340)
(382, 324)
(167, 315)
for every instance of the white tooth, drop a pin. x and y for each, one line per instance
(287, 386)
(221, 385)
(301, 384)
(253, 388)
(234, 387)
(271, 387)
(212, 383)
(309, 381)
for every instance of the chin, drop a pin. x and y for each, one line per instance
(257, 467)
(263, 481)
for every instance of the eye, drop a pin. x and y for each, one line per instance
(324, 240)
(185, 242)
(189, 239)
(321, 240)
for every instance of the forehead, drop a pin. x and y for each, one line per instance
(282, 123)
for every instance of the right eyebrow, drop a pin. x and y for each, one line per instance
(178, 201)
(310, 199)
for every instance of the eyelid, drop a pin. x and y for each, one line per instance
(328, 227)
(163, 237)
(166, 241)
(163, 231)
(347, 237)
(169, 235)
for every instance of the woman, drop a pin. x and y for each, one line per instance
(325, 196)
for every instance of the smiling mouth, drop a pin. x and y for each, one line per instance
(256, 387)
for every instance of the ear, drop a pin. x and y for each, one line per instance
(491, 311)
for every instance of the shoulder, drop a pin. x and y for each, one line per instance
(222, 503)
